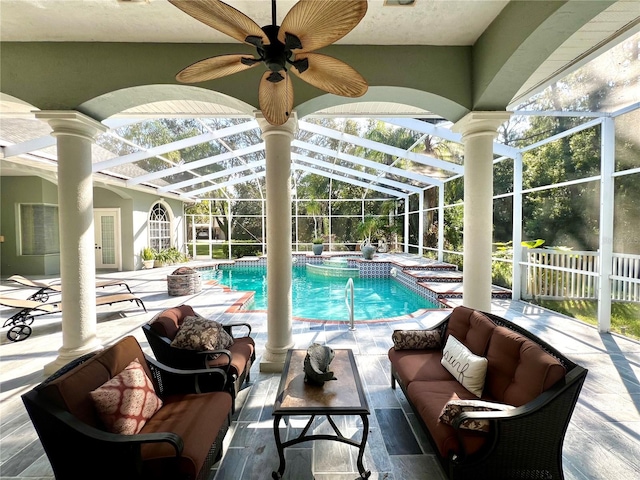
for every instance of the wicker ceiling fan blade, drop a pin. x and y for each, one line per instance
(222, 17)
(330, 74)
(216, 67)
(318, 23)
(276, 98)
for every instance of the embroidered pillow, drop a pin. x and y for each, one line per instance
(469, 369)
(127, 401)
(455, 407)
(415, 339)
(198, 333)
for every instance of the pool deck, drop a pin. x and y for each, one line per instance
(602, 442)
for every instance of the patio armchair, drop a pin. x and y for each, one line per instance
(181, 437)
(236, 360)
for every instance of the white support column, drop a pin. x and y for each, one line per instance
(516, 285)
(441, 222)
(607, 167)
(229, 223)
(478, 131)
(278, 177)
(296, 223)
(421, 224)
(406, 225)
(75, 133)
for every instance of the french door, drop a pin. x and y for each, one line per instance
(108, 248)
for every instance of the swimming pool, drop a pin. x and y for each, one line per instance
(322, 298)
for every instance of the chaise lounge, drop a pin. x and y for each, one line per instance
(494, 400)
(28, 310)
(45, 288)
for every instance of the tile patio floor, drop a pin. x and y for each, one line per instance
(603, 440)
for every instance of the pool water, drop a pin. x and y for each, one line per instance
(323, 298)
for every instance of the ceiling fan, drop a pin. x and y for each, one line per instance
(308, 26)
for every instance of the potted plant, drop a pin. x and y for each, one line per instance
(161, 258)
(318, 246)
(148, 257)
(367, 228)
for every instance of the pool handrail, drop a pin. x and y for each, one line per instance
(348, 300)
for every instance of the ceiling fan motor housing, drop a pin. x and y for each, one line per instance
(275, 54)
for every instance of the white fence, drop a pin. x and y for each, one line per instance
(625, 278)
(559, 274)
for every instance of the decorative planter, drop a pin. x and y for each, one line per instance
(318, 248)
(146, 264)
(184, 283)
(368, 251)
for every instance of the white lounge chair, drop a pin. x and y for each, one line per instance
(46, 288)
(28, 310)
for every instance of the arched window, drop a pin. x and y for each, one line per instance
(159, 228)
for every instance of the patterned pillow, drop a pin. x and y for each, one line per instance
(469, 369)
(127, 401)
(415, 339)
(455, 407)
(198, 333)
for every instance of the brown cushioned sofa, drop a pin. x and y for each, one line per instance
(524, 372)
(236, 361)
(183, 439)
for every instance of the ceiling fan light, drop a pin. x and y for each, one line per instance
(399, 3)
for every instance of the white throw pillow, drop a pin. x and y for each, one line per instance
(468, 369)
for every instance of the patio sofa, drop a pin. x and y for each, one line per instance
(236, 360)
(513, 425)
(89, 430)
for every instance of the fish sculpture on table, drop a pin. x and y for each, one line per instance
(316, 364)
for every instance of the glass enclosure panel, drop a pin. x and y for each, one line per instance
(569, 158)
(627, 128)
(453, 224)
(503, 177)
(454, 191)
(247, 228)
(626, 229)
(503, 219)
(414, 233)
(563, 216)
(344, 230)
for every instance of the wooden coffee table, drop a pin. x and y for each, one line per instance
(344, 396)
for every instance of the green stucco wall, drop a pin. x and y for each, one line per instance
(134, 209)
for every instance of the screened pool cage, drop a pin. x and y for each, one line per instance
(425, 224)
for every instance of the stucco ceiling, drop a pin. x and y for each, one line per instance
(426, 22)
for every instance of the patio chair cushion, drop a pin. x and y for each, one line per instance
(519, 369)
(470, 327)
(415, 339)
(413, 365)
(69, 391)
(429, 399)
(127, 401)
(167, 323)
(198, 333)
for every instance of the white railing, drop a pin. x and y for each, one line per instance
(559, 274)
(348, 300)
(625, 278)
